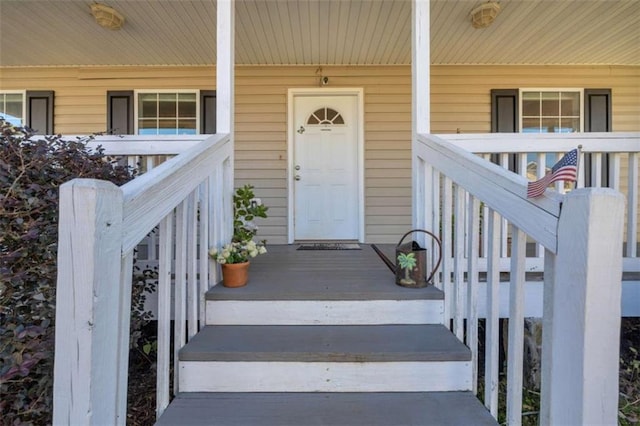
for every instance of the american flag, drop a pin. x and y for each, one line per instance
(566, 169)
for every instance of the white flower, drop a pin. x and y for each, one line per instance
(237, 252)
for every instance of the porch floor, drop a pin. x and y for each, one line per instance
(285, 273)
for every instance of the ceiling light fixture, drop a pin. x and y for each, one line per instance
(107, 17)
(484, 15)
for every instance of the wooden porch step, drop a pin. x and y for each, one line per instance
(328, 409)
(292, 287)
(346, 358)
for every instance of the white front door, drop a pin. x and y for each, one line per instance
(325, 160)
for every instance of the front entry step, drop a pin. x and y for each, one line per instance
(327, 409)
(291, 287)
(374, 358)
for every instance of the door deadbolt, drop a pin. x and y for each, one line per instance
(297, 167)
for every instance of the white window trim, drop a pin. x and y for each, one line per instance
(136, 92)
(551, 89)
(24, 101)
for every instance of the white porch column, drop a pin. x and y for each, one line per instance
(421, 98)
(225, 63)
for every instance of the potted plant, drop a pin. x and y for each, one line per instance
(234, 257)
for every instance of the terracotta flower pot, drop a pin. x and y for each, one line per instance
(235, 274)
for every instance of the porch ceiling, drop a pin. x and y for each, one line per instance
(309, 32)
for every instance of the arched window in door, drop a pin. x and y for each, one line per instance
(325, 116)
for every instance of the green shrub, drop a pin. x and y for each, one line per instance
(30, 173)
(245, 210)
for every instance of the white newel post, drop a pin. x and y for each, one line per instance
(585, 333)
(86, 379)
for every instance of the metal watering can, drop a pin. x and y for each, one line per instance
(411, 262)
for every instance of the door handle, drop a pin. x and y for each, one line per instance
(297, 177)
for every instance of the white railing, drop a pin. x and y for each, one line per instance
(144, 153)
(469, 199)
(607, 160)
(189, 199)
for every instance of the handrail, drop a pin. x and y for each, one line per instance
(548, 142)
(174, 179)
(496, 187)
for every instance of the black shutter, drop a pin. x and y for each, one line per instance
(504, 117)
(597, 118)
(597, 110)
(207, 111)
(120, 112)
(40, 111)
(504, 111)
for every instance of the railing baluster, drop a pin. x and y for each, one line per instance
(435, 215)
(596, 169)
(580, 182)
(473, 220)
(614, 171)
(492, 343)
(204, 250)
(192, 264)
(216, 212)
(546, 366)
(459, 200)
(447, 244)
(132, 161)
(516, 327)
(164, 313)
(484, 223)
(632, 205)
(421, 217)
(540, 172)
(559, 185)
(150, 162)
(522, 163)
(180, 292)
(124, 328)
(504, 228)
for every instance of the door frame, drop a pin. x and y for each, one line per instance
(336, 91)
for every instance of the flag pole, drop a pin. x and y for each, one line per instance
(578, 167)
